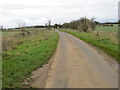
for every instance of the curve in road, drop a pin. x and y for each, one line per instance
(77, 65)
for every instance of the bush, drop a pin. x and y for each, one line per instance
(84, 24)
(8, 43)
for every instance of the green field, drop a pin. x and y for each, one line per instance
(105, 42)
(111, 29)
(35, 51)
(9, 33)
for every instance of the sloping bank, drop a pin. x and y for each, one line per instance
(28, 56)
(101, 42)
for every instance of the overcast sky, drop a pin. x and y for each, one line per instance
(36, 12)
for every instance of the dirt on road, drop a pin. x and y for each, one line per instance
(78, 65)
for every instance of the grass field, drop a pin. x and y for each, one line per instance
(113, 29)
(105, 42)
(9, 33)
(35, 51)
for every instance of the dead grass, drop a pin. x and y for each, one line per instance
(9, 42)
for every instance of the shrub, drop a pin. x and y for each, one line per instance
(8, 43)
(86, 25)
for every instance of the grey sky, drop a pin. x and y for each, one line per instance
(36, 12)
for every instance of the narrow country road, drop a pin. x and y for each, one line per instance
(77, 65)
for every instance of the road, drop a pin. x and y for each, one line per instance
(77, 65)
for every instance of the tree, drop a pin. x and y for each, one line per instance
(60, 26)
(66, 25)
(49, 24)
(22, 26)
(46, 25)
(82, 24)
(1, 27)
(93, 25)
(56, 26)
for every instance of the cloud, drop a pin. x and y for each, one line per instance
(35, 12)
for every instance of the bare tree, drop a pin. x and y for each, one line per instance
(49, 24)
(22, 26)
(93, 25)
(1, 27)
(46, 24)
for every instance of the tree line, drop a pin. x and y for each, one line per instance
(83, 24)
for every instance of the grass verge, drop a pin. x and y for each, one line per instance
(101, 42)
(28, 56)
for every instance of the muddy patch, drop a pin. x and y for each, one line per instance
(38, 78)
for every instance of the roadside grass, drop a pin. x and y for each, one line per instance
(33, 53)
(103, 42)
(10, 39)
